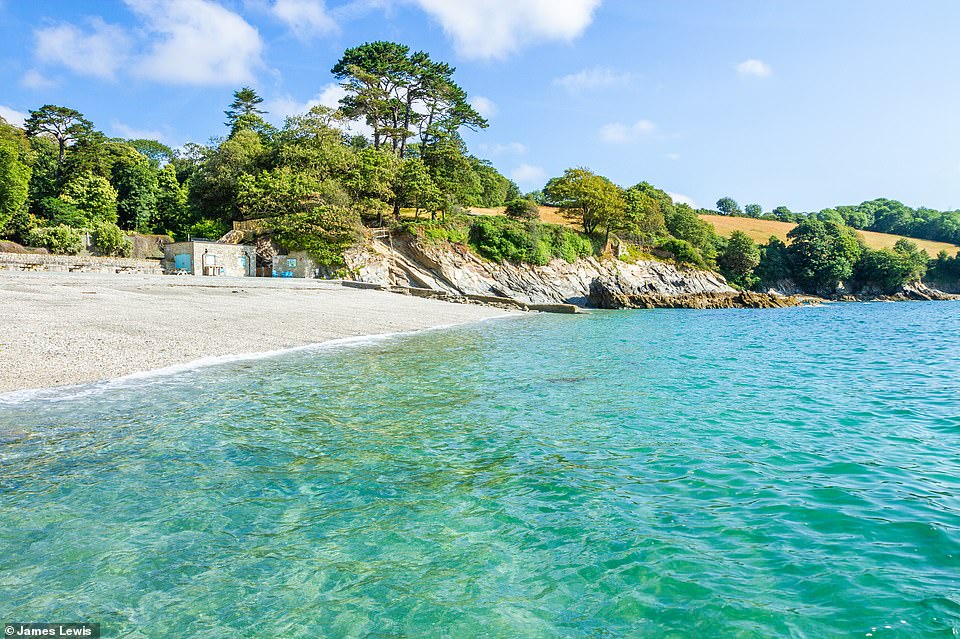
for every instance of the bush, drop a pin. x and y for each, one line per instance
(61, 239)
(62, 213)
(208, 229)
(503, 239)
(522, 209)
(109, 240)
(325, 233)
(682, 251)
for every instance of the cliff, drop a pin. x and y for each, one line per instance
(603, 283)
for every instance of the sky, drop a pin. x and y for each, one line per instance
(804, 104)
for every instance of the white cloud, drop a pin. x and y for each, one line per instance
(99, 52)
(484, 106)
(132, 133)
(673, 156)
(33, 79)
(680, 198)
(595, 78)
(754, 68)
(488, 29)
(279, 109)
(197, 42)
(622, 133)
(12, 116)
(510, 148)
(305, 18)
(529, 175)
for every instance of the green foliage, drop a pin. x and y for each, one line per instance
(109, 240)
(682, 251)
(136, 183)
(503, 239)
(684, 224)
(208, 229)
(61, 240)
(774, 263)
(171, 211)
(414, 188)
(93, 196)
(15, 175)
(400, 93)
(753, 210)
(945, 269)
(57, 212)
(522, 209)
(645, 213)
(213, 189)
(64, 125)
(822, 255)
(454, 229)
(739, 259)
(588, 199)
(325, 233)
(728, 206)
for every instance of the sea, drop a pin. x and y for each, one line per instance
(654, 473)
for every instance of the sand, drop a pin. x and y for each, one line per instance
(70, 328)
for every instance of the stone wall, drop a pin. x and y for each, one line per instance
(76, 263)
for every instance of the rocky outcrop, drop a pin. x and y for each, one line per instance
(604, 283)
(603, 295)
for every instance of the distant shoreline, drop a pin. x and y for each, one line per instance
(59, 329)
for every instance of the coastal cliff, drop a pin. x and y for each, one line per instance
(600, 283)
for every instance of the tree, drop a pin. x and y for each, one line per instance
(171, 210)
(213, 189)
(774, 263)
(783, 214)
(244, 112)
(415, 188)
(157, 153)
(66, 126)
(684, 224)
(822, 254)
(136, 183)
(589, 199)
(739, 259)
(753, 210)
(395, 91)
(644, 213)
(728, 206)
(94, 196)
(15, 172)
(522, 209)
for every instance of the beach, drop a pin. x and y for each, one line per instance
(70, 328)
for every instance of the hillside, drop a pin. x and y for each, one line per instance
(761, 230)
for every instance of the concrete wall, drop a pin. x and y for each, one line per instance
(210, 258)
(297, 263)
(77, 263)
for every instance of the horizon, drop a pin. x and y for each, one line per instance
(703, 102)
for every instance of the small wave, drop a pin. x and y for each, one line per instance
(90, 389)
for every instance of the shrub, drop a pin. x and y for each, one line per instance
(682, 251)
(61, 239)
(521, 209)
(325, 233)
(508, 240)
(208, 229)
(60, 212)
(109, 240)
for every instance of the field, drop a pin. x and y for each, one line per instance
(761, 230)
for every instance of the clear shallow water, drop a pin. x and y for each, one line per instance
(624, 474)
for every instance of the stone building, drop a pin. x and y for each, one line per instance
(201, 257)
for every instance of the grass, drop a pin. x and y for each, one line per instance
(761, 230)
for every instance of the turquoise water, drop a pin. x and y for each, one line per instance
(788, 473)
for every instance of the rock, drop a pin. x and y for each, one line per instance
(455, 269)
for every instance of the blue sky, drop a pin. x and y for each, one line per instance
(807, 104)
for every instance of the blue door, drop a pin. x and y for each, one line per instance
(182, 261)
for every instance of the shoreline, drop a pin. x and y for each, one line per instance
(63, 330)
